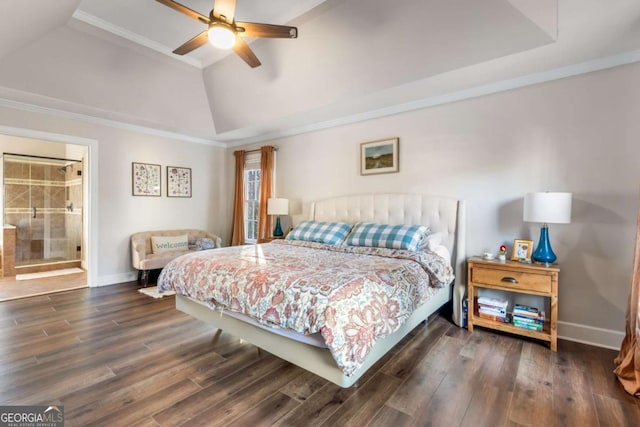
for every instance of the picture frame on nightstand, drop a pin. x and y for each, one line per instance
(522, 250)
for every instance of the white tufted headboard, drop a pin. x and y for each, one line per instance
(440, 214)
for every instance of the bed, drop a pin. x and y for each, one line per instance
(316, 349)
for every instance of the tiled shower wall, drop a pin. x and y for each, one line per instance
(56, 194)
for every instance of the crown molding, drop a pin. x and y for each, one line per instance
(135, 38)
(599, 64)
(32, 108)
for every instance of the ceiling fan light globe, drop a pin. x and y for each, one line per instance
(221, 37)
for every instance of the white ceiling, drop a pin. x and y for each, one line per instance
(163, 29)
(354, 60)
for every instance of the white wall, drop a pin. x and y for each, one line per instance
(119, 213)
(577, 134)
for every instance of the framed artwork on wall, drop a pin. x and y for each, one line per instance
(178, 181)
(522, 250)
(145, 179)
(379, 156)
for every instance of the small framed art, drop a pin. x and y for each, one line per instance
(379, 156)
(145, 179)
(522, 250)
(178, 181)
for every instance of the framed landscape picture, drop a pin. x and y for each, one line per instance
(145, 179)
(379, 156)
(178, 181)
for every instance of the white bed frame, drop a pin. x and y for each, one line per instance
(440, 214)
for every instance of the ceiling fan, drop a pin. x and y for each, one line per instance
(224, 32)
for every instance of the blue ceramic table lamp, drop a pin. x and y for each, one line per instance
(546, 208)
(278, 207)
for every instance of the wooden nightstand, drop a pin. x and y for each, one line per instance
(517, 277)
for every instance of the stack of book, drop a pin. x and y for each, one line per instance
(493, 309)
(526, 317)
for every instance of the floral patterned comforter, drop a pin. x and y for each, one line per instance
(352, 295)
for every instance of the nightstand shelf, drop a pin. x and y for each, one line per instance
(545, 334)
(509, 276)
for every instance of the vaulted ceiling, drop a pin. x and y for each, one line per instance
(354, 59)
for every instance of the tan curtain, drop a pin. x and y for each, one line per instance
(265, 227)
(628, 360)
(237, 228)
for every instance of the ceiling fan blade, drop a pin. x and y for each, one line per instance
(253, 29)
(244, 51)
(192, 44)
(184, 9)
(226, 8)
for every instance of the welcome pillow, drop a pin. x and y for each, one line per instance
(161, 244)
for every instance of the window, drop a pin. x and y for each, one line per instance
(251, 203)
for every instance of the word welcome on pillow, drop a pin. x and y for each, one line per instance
(161, 244)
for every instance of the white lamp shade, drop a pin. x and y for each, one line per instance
(549, 208)
(278, 206)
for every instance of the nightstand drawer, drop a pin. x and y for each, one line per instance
(512, 279)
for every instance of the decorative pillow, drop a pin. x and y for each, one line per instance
(387, 236)
(431, 241)
(442, 251)
(332, 233)
(161, 244)
(205, 243)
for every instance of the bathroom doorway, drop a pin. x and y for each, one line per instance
(43, 201)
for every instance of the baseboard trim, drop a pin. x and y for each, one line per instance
(114, 279)
(591, 335)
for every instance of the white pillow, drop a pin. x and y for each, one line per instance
(443, 252)
(431, 241)
(161, 244)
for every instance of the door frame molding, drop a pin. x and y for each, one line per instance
(89, 189)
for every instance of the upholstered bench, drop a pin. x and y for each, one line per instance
(152, 250)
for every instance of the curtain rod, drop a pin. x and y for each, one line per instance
(258, 149)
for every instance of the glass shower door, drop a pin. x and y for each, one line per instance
(38, 201)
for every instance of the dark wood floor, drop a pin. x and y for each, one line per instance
(113, 356)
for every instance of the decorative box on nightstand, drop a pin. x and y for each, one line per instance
(510, 276)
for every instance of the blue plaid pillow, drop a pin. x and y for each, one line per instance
(332, 233)
(387, 236)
